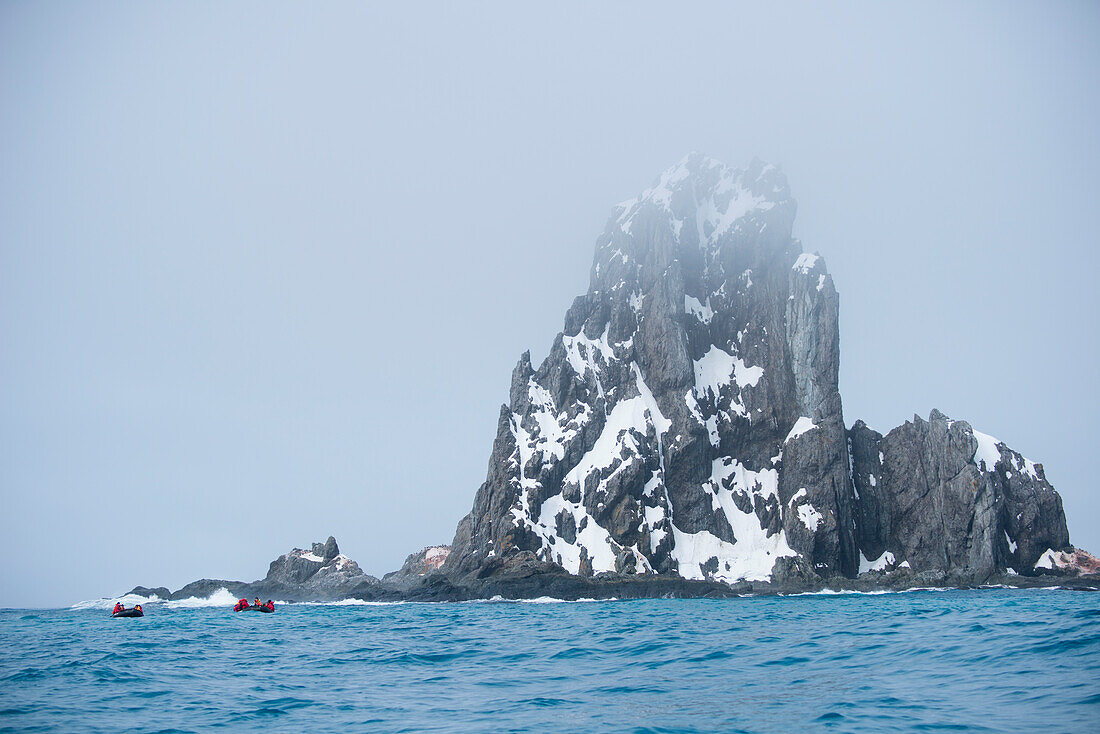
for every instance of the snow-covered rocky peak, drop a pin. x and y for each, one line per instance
(708, 195)
(658, 435)
(711, 218)
(320, 561)
(687, 420)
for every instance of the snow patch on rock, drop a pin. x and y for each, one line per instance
(754, 553)
(805, 263)
(701, 311)
(881, 563)
(718, 368)
(801, 426)
(987, 454)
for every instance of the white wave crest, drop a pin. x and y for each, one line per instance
(546, 600)
(343, 603)
(128, 600)
(841, 592)
(220, 598)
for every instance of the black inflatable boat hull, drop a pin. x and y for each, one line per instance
(129, 613)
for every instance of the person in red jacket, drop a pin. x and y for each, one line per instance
(118, 608)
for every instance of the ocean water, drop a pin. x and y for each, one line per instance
(989, 660)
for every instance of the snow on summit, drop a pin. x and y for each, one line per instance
(707, 196)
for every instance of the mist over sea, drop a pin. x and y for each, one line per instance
(979, 660)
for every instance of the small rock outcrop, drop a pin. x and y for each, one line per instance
(319, 574)
(1074, 562)
(321, 568)
(417, 566)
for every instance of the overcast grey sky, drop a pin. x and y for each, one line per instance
(265, 269)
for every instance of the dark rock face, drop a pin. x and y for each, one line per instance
(327, 550)
(687, 420)
(941, 496)
(295, 567)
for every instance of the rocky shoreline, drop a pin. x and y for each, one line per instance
(297, 577)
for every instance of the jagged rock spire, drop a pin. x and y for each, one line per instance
(657, 436)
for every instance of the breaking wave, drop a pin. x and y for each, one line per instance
(220, 598)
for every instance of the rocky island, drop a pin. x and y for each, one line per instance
(685, 436)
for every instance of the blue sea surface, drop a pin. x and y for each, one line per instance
(984, 660)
